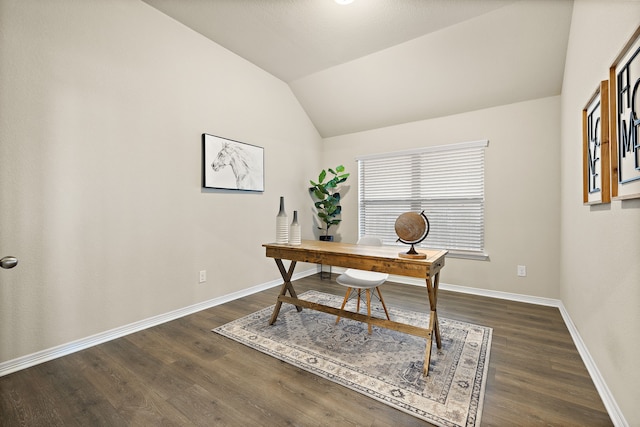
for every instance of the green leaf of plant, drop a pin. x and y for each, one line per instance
(322, 176)
(340, 168)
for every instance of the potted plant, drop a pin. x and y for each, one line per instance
(327, 198)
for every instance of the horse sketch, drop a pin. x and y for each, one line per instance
(246, 168)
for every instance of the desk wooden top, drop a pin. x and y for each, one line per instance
(384, 259)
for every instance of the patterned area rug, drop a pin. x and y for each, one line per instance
(386, 365)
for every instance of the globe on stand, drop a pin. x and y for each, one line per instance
(412, 228)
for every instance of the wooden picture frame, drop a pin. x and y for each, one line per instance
(231, 165)
(596, 181)
(624, 93)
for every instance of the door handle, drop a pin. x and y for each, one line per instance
(8, 262)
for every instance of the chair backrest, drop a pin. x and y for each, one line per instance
(370, 241)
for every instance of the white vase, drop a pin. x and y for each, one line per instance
(282, 226)
(295, 231)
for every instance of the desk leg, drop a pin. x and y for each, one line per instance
(286, 286)
(434, 302)
(434, 325)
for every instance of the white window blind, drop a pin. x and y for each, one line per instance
(446, 182)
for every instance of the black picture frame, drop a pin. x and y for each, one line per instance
(231, 165)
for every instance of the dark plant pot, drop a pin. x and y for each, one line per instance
(326, 238)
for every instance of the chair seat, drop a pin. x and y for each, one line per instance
(362, 279)
(355, 279)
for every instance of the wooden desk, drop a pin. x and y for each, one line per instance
(384, 259)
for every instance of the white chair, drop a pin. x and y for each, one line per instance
(357, 280)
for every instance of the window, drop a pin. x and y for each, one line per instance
(446, 182)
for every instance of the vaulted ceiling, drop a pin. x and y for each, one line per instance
(377, 63)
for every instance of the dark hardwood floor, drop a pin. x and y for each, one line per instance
(180, 373)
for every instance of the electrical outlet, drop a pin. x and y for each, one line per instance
(203, 276)
(522, 270)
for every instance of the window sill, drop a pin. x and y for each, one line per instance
(477, 256)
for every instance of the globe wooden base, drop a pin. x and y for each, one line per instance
(409, 255)
(412, 254)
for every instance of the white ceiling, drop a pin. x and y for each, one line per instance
(377, 63)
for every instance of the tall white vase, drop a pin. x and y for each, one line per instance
(282, 225)
(295, 231)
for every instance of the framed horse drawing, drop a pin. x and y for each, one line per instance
(231, 165)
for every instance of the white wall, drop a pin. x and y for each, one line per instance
(601, 244)
(102, 107)
(521, 189)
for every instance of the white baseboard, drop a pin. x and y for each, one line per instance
(62, 350)
(605, 394)
(81, 344)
